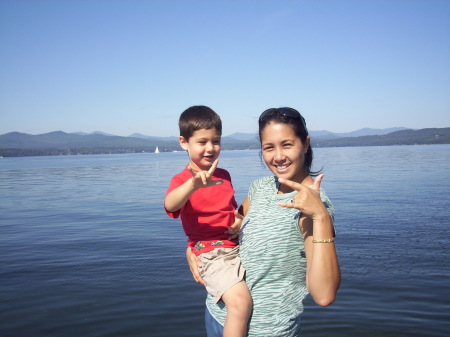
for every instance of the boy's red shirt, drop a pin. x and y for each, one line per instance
(208, 213)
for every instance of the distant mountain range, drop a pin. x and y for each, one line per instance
(253, 136)
(325, 134)
(61, 143)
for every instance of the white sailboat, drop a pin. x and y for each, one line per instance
(156, 150)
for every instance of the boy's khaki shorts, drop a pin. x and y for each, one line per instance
(222, 269)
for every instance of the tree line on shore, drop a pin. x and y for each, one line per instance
(59, 143)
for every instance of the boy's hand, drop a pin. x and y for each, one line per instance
(202, 179)
(236, 227)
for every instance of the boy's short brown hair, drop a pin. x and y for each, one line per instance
(198, 117)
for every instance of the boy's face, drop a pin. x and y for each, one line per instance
(203, 148)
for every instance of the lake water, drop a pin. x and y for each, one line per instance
(86, 248)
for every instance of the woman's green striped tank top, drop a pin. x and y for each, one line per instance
(273, 253)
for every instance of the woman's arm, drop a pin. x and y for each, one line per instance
(323, 274)
(244, 207)
(238, 216)
(194, 263)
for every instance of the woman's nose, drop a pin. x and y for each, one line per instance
(279, 155)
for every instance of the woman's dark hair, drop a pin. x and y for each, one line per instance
(294, 119)
(198, 117)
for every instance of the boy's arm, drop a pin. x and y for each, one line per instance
(178, 197)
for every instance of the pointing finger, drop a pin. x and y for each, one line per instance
(291, 184)
(287, 204)
(213, 167)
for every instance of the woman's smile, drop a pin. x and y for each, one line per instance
(282, 168)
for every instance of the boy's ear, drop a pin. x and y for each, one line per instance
(183, 143)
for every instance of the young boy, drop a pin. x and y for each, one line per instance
(203, 197)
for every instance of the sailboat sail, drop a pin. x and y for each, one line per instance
(157, 150)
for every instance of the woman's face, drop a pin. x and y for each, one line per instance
(283, 152)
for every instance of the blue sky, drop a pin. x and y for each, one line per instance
(133, 66)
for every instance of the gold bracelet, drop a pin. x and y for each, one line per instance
(323, 241)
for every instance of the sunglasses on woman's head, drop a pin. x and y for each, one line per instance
(288, 112)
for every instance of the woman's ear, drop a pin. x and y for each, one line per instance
(307, 144)
(183, 143)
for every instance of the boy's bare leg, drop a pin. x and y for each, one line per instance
(239, 307)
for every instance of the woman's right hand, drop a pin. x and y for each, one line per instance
(307, 200)
(194, 263)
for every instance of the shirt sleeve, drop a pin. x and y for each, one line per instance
(174, 183)
(251, 191)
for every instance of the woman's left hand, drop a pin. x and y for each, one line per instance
(234, 229)
(307, 199)
(194, 264)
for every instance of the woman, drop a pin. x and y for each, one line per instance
(287, 235)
